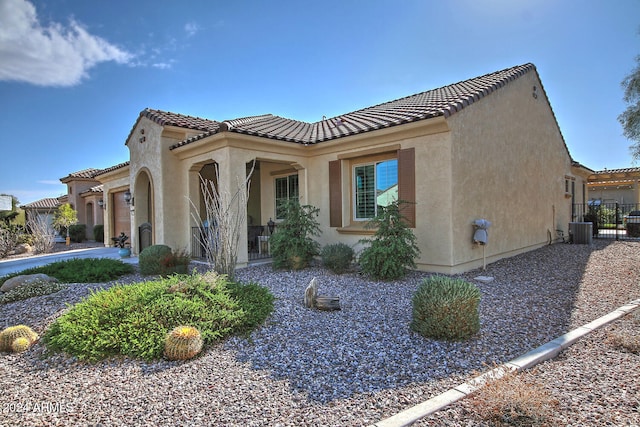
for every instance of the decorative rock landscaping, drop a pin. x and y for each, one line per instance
(349, 367)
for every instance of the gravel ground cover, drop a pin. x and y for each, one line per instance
(354, 366)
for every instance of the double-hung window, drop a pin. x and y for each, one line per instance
(286, 189)
(376, 186)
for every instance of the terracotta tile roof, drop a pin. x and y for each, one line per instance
(83, 174)
(112, 168)
(443, 101)
(617, 171)
(48, 203)
(166, 118)
(93, 190)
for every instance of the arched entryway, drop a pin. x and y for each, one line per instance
(144, 214)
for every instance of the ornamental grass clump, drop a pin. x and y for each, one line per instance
(446, 308)
(515, 399)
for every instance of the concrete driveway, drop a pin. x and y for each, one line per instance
(19, 264)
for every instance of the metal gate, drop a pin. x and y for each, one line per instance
(617, 221)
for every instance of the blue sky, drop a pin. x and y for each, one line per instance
(75, 74)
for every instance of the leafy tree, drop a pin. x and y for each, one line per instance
(630, 119)
(65, 217)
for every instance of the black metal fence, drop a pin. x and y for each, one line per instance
(610, 220)
(257, 242)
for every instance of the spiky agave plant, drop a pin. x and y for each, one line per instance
(13, 333)
(182, 343)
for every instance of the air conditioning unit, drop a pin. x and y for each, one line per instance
(581, 232)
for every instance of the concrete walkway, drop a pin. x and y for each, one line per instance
(18, 264)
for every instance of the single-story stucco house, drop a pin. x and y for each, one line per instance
(484, 148)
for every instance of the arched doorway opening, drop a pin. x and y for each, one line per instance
(144, 213)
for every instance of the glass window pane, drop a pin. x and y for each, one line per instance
(281, 195)
(294, 192)
(386, 182)
(365, 191)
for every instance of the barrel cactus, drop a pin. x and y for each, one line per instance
(20, 344)
(14, 333)
(182, 343)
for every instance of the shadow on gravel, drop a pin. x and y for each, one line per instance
(368, 346)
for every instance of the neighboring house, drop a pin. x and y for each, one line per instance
(615, 186)
(488, 147)
(84, 194)
(41, 212)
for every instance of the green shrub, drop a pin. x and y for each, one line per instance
(446, 308)
(151, 258)
(337, 257)
(393, 248)
(175, 262)
(291, 245)
(134, 320)
(78, 233)
(34, 290)
(98, 233)
(80, 270)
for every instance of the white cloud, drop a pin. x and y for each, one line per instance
(191, 28)
(48, 56)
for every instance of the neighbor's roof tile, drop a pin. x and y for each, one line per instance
(83, 174)
(48, 203)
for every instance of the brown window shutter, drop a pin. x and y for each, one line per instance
(407, 183)
(335, 194)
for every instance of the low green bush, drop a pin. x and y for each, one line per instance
(34, 290)
(80, 270)
(446, 308)
(78, 233)
(337, 257)
(98, 233)
(133, 320)
(151, 258)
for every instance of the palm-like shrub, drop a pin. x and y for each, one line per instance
(446, 308)
(393, 248)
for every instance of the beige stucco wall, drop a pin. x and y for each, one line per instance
(509, 165)
(112, 182)
(501, 158)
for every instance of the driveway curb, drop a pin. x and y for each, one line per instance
(540, 354)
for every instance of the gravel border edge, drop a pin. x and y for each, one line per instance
(540, 354)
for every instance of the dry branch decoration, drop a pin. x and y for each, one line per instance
(42, 233)
(225, 219)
